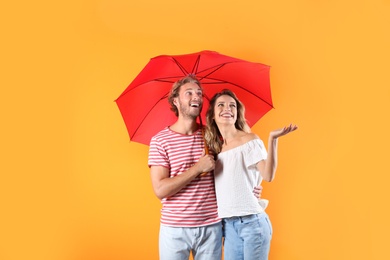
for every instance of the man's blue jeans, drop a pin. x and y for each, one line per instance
(247, 237)
(205, 243)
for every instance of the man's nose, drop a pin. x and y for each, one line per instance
(198, 96)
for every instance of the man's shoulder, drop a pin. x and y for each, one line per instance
(163, 137)
(165, 131)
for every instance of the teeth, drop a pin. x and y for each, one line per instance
(194, 105)
(226, 115)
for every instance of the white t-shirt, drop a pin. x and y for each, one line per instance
(236, 175)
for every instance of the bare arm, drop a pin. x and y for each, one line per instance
(164, 186)
(268, 167)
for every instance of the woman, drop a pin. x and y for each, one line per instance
(242, 163)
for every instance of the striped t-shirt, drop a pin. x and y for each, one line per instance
(195, 205)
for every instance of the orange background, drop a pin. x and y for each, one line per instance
(73, 187)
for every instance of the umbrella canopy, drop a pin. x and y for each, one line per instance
(144, 105)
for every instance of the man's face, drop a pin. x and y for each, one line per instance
(190, 100)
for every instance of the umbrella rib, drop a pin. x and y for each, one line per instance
(227, 82)
(211, 72)
(167, 79)
(196, 65)
(181, 67)
(150, 110)
(194, 68)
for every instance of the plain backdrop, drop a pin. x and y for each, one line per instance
(74, 187)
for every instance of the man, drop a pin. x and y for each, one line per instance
(189, 216)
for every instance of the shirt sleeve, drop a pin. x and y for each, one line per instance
(157, 154)
(256, 153)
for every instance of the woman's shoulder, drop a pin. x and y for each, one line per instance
(249, 137)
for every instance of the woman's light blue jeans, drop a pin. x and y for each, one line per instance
(247, 237)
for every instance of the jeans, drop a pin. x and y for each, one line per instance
(205, 243)
(247, 237)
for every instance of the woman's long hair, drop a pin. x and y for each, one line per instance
(213, 136)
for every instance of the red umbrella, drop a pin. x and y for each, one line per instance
(144, 105)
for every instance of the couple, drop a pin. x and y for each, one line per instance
(199, 209)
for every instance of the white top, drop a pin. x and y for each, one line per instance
(236, 175)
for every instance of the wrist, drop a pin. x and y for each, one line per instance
(272, 138)
(197, 170)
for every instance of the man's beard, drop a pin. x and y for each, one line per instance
(187, 112)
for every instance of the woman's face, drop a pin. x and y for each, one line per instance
(225, 110)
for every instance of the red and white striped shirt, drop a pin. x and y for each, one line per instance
(195, 205)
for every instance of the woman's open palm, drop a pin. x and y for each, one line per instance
(283, 131)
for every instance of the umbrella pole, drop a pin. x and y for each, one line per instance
(206, 148)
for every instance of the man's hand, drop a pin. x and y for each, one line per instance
(206, 163)
(257, 191)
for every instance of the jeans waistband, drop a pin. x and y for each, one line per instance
(242, 218)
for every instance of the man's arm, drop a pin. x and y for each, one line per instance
(257, 191)
(164, 186)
